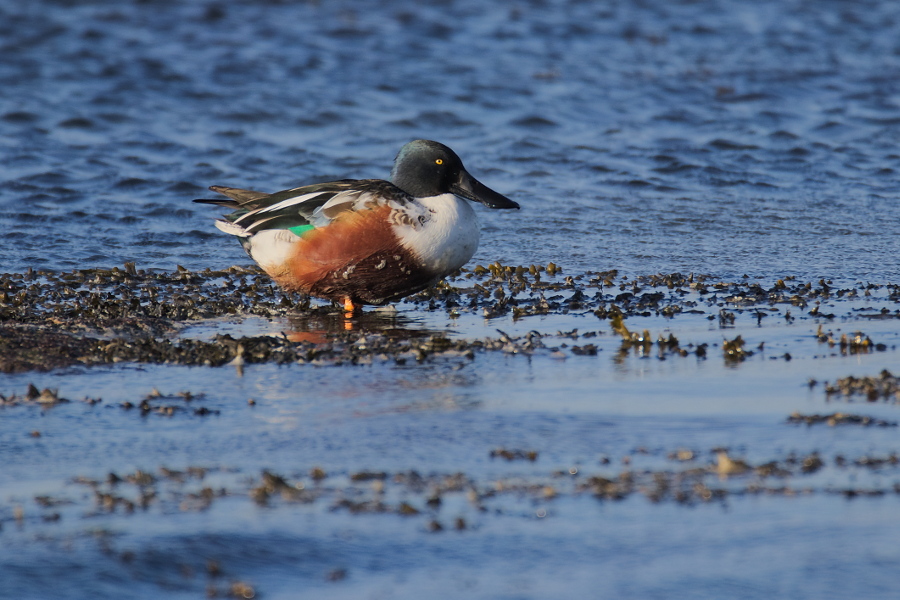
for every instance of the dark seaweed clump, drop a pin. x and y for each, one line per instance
(51, 320)
(410, 493)
(885, 386)
(840, 419)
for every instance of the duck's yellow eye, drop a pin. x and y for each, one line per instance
(439, 161)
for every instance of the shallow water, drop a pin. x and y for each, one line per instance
(716, 137)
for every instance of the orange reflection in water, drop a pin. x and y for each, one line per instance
(320, 327)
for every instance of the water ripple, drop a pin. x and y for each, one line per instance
(593, 114)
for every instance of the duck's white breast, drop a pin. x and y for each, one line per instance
(440, 231)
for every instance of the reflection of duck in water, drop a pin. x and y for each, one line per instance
(365, 241)
(319, 326)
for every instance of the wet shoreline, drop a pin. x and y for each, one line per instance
(104, 316)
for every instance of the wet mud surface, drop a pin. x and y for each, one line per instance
(94, 317)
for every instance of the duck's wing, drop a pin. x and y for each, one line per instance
(301, 208)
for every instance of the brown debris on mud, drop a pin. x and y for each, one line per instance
(52, 320)
(702, 478)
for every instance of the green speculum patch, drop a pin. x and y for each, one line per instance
(301, 229)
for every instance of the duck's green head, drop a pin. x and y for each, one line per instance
(424, 168)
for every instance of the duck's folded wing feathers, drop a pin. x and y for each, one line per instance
(316, 204)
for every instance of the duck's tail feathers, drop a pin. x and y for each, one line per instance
(238, 195)
(226, 203)
(237, 198)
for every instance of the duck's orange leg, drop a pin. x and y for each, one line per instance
(349, 310)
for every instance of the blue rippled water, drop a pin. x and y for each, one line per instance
(713, 137)
(721, 137)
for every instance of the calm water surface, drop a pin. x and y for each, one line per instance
(717, 137)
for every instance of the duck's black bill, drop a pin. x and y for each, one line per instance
(470, 188)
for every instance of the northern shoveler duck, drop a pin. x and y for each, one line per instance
(365, 241)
